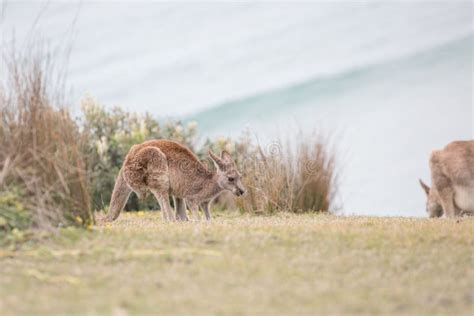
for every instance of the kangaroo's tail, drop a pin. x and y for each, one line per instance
(119, 198)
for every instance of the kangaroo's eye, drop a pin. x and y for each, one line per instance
(231, 179)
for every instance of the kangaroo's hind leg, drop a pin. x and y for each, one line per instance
(159, 186)
(181, 210)
(165, 206)
(149, 170)
(205, 208)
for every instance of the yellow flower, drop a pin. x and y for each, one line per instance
(221, 141)
(192, 125)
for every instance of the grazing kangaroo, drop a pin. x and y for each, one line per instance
(167, 168)
(452, 178)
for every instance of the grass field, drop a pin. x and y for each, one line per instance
(280, 265)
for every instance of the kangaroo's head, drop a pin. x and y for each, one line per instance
(433, 206)
(228, 177)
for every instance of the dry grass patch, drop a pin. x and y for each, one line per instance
(42, 167)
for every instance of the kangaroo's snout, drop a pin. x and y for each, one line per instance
(239, 192)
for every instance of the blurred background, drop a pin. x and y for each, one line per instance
(388, 81)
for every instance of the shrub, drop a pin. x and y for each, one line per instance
(42, 166)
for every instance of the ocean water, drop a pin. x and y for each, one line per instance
(389, 81)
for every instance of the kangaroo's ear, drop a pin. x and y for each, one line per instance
(227, 158)
(217, 161)
(425, 187)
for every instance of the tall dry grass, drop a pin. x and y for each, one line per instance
(295, 176)
(41, 158)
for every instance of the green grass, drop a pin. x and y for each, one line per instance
(280, 265)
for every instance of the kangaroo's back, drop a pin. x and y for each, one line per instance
(186, 173)
(172, 150)
(456, 161)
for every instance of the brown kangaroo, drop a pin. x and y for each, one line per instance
(452, 178)
(167, 168)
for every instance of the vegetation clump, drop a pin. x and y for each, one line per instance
(43, 180)
(56, 170)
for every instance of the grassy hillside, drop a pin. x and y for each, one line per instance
(280, 265)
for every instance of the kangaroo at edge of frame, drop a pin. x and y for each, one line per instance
(452, 178)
